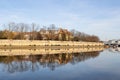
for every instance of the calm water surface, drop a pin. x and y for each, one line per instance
(103, 65)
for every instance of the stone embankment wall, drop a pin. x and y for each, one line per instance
(47, 43)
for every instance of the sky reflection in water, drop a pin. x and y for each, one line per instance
(85, 66)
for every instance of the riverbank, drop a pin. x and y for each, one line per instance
(19, 44)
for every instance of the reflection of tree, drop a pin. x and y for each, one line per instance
(83, 56)
(33, 62)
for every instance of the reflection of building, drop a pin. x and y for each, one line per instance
(24, 63)
(116, 49)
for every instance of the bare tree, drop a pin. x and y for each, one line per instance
(34, 29)
(21, 28)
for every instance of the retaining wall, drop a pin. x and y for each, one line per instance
(47, 43)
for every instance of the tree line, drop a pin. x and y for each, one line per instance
(33, 31)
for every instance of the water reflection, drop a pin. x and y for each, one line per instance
(72, 65)
(55, 50)
(35, 62)
(114, 49)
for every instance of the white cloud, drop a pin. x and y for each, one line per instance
(15, 17)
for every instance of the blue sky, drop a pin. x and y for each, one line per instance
(99, 17)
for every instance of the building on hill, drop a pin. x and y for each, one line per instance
(60, 34)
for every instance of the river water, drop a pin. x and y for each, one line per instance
(97, 65)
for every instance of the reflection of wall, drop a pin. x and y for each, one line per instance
(9, 52)
(34, 62)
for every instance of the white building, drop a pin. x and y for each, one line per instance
(113, 43)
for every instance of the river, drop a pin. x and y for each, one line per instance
(96, 65)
